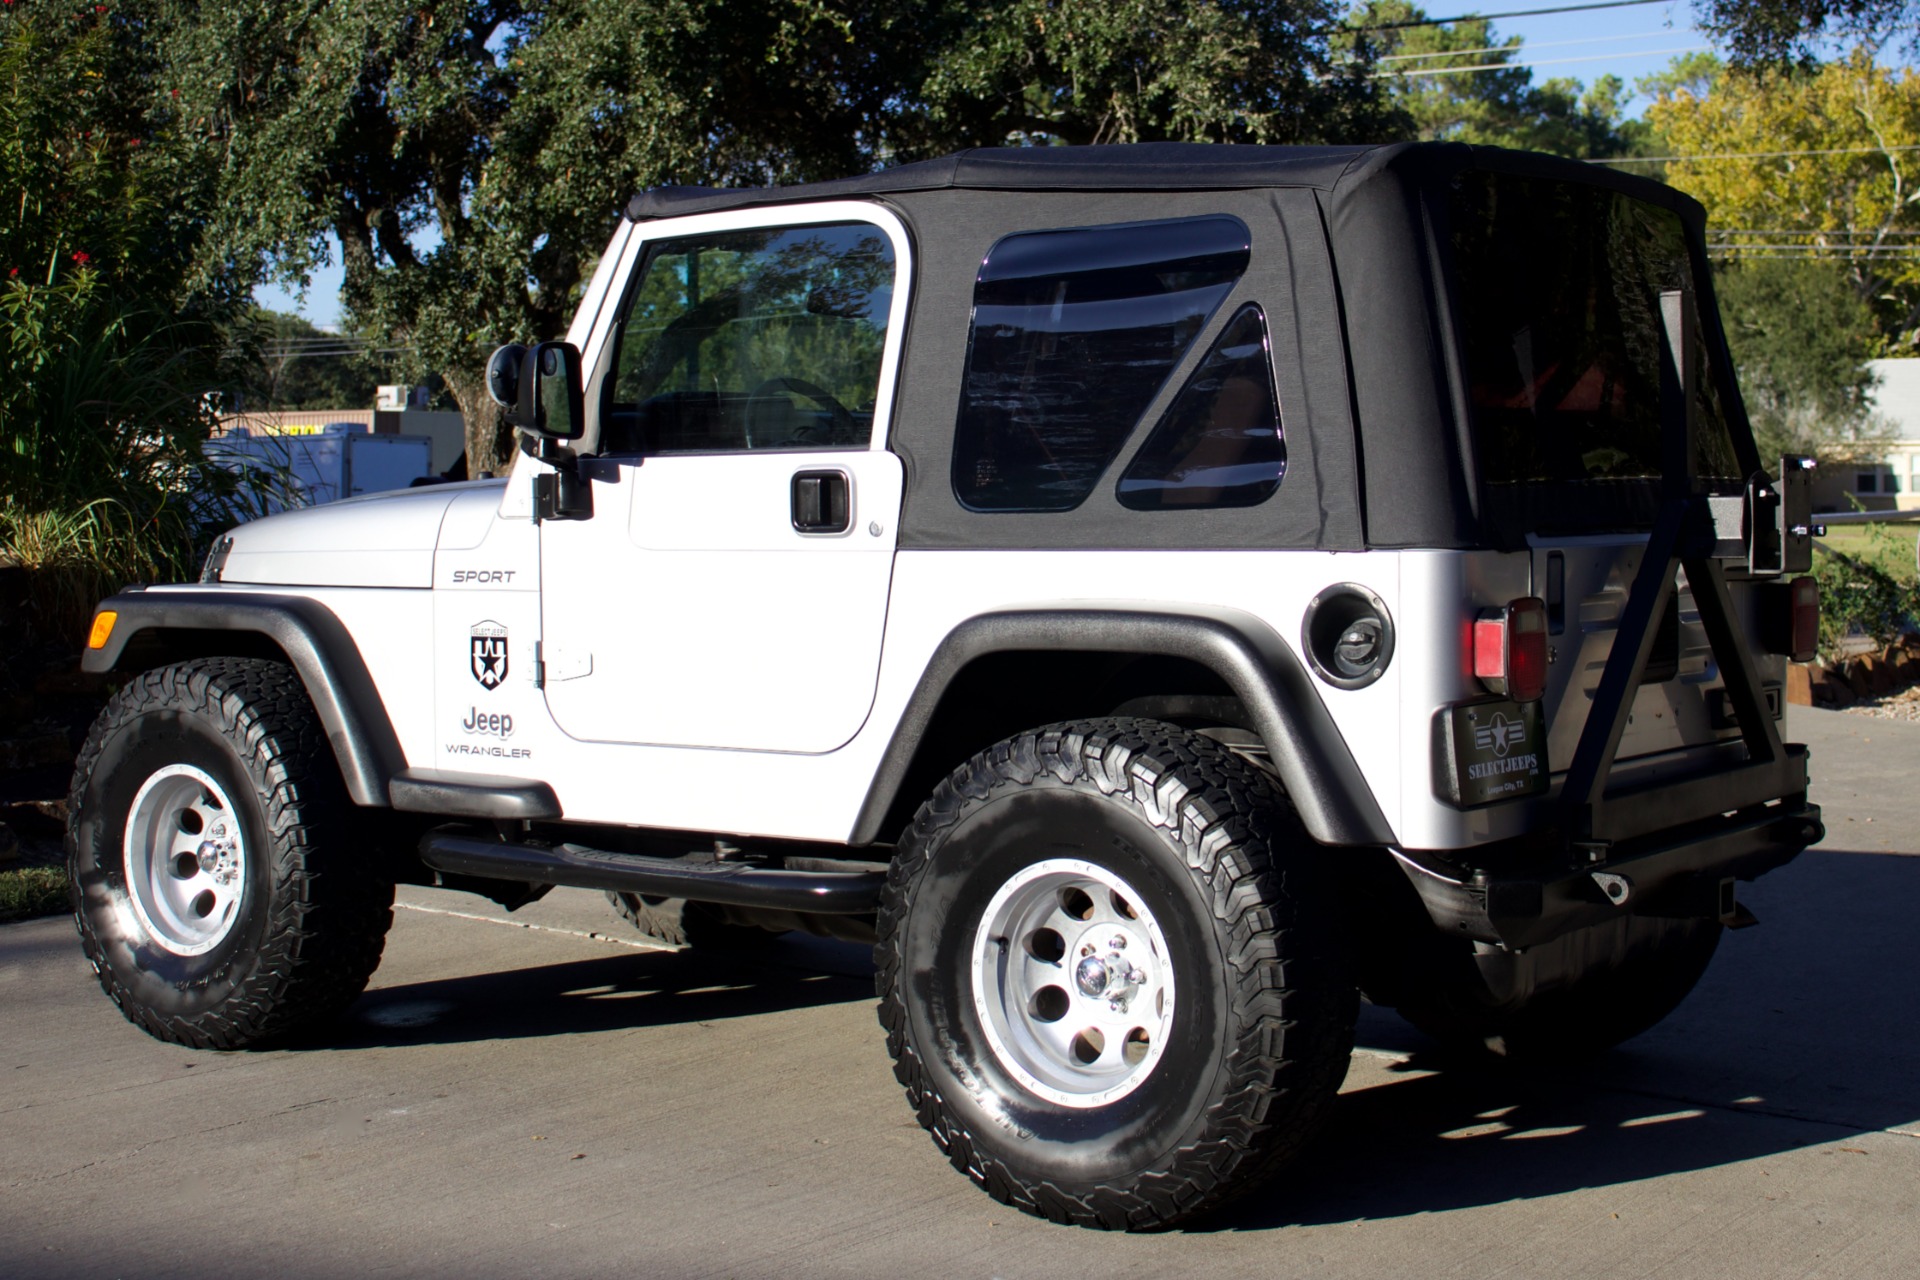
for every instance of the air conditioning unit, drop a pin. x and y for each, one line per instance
(391, 399)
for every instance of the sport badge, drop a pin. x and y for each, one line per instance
(489, 654)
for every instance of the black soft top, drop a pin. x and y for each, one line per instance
(1347, 262)
(1140, 166)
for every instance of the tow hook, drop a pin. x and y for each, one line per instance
(1617, 887)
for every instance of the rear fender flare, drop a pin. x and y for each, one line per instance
(1316, 767)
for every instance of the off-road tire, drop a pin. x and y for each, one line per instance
(698, 926)
(1263, 1007)
(1605, 1007)
(311, 913)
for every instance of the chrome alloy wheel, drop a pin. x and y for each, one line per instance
(186, 860)
(1072, 980)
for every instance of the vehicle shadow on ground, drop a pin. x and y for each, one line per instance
(1791, 1040)
(622, 991)
(1469, 1136)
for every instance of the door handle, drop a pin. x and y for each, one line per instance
(820, 502)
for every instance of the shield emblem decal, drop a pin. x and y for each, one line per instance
(489, 654)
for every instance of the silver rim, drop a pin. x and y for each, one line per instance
(1072, 981)
(186, 860)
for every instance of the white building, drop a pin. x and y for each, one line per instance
(1895, 480)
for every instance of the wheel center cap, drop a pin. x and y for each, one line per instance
(1091, 976)
(216, 858)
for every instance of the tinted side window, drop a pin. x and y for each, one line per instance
(1073, 334)
(1559, 293)
(763, 339)
(1220, 443)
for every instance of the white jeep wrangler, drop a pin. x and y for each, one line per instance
(1155, 594)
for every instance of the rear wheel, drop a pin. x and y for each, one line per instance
(1108, 976)
(676, 922)
(218, 885)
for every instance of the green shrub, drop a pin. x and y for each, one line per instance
(109, 349)
(27, 892)
(1858, 596)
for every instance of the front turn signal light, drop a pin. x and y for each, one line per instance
(102, 629)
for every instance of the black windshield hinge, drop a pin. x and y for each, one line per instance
(563, 493)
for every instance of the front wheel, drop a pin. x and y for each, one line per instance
(1108, 974)
(217, 882)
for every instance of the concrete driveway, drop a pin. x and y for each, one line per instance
(540, 1097)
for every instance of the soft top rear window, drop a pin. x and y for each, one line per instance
(1558, 289)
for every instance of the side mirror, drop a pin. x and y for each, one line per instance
(503, 376)
(550, 400)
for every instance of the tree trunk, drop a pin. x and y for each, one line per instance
(489, 438)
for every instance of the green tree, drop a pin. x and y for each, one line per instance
(508, 135)
(1690, 73)
(1809, 163)
(1777, 32)
(1800, 338)
(1098, 71)
(1455, 82)
(304, 367)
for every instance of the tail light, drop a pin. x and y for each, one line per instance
(1510, 649)
(1790, 618)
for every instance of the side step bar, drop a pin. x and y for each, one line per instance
(827, 893)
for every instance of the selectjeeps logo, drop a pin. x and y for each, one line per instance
(1499, 735)
(489, 654)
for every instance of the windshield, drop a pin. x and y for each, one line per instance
(761, 339)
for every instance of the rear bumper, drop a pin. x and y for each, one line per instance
(1681, 871)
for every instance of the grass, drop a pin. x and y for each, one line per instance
(27, 893)
(1890, 547)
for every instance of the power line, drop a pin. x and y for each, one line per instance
(1516, 13)
(1720, 255)
(1822, 250)
(1897, 252)
(322, 353)
(1549, 62)
(1757, 155)
(1545, 44)
(1802, 231)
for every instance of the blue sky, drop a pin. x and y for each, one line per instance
(1629, 42)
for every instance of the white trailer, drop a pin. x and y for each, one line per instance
(341, 460)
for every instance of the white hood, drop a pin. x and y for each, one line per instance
(378, 540)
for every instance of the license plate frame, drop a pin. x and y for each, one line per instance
(1490, 752)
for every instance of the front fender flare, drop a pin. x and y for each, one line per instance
(316, 644)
